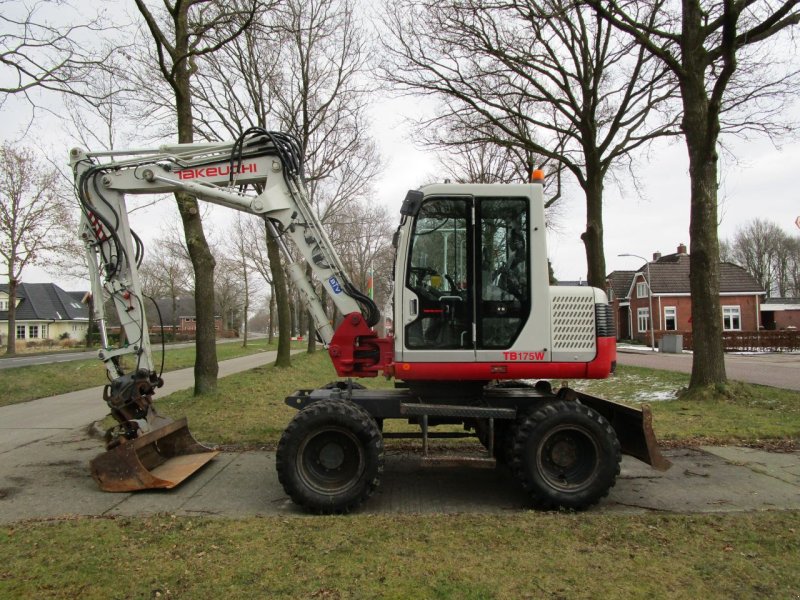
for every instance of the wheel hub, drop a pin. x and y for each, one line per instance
(563, 454)
(331, 456)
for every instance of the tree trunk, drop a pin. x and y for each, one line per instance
(11, 346)
(708, 361)
(284, 358)
(205, 366)
(246, 307)
(270, 334)
(593, 236)
(90, 327)
(312, 329)
(203, 263)
(292, 315)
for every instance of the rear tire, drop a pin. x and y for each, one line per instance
(330, 457)
(566, 456)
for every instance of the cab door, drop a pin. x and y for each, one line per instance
(467, 284)
(438, 302)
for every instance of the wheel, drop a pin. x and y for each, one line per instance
(566, 456)
(330, 457)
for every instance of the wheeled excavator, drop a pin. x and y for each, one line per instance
(477, 334)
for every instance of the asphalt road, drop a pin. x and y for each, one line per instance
(25, 360)
(776, 369)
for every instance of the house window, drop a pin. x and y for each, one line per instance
(33, 331)
(20, 332)
(643, 315)
(731, 318)
(641, 290)
(44, 331)
(670, 318)
(3, 304)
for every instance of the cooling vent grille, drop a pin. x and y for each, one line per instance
(573, 323)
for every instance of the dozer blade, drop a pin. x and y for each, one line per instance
(634, 429)
(160, 459)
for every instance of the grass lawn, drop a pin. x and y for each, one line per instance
(746, 414)
(21, 384)
(528, 555)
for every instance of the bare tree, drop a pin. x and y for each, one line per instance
(189, 30)
(229, 291)
(308, 58)
(704, 45)
(548, 78)
(767, 252)
(239, 245)
(166, 272)
(33, 220)
(788, 268)
(363, 234)
(38, 56)
(320, 96)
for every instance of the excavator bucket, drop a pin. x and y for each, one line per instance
(159, 459)
(634, 429)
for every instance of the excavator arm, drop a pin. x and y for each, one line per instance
(261, 173)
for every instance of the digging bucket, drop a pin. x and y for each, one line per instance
(160, 459)
(634, 429)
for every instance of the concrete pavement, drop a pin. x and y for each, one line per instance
(41, 419)
(50, 479)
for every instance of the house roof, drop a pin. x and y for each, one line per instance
(782, 301)
(46, 302)
(780, 304)
(574, 283)
(620, 282)
(670, 275)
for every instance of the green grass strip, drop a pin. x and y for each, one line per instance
(529, 555)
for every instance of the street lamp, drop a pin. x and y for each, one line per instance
(649, 297)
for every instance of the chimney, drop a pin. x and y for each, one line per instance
(681, 248)
(656, 256)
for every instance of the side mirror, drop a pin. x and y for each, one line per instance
(412, 203)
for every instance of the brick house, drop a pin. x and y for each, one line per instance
(183, 317)
(44, 312)
(741, 298)
(780, 313)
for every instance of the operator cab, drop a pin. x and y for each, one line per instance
(468, 257)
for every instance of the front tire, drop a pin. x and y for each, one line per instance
(330, 457)
(566, 456)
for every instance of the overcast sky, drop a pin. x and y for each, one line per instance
(761, 182)
(653, 217)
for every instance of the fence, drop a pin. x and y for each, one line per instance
(747, 341)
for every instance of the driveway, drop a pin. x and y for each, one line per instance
(775, 369)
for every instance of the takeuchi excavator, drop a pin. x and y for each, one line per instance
(478, 332)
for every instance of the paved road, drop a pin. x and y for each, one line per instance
(776, 369)
(26, 360)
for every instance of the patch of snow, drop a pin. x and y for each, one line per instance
(654, 396)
